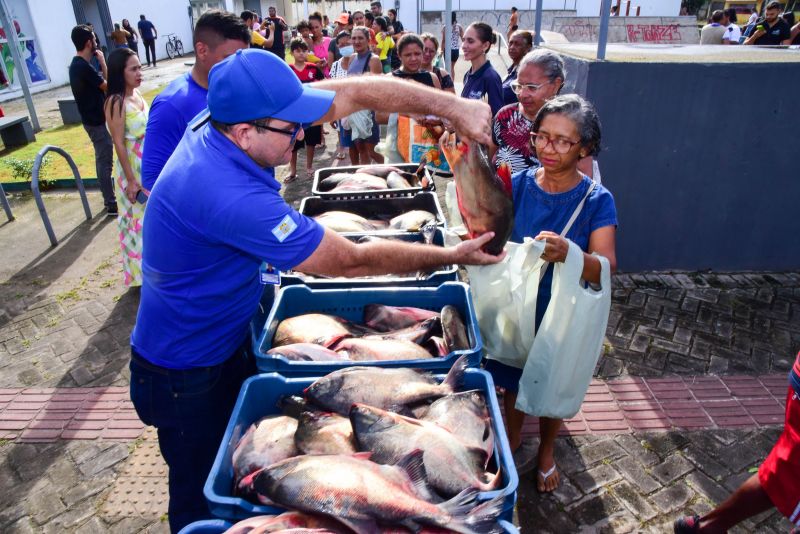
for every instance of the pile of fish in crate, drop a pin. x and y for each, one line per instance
(371, 414)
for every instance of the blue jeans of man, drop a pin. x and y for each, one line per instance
(190, 408)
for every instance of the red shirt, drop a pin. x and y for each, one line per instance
(309, 73)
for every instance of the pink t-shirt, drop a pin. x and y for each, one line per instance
(321, 51)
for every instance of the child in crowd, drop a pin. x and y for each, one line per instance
(307, 73)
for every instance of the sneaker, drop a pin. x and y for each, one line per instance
(112, 210)
(686, 525)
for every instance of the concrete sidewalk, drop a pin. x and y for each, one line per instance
(659, 434)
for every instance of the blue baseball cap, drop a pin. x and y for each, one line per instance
(255, 84)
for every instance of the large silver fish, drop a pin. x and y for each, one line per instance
(464, 413)
(262, 524)
(452, 465)
(388, 318)
(454, 329)
(381, 348)
(265, 442)
(383, 388)
(361, 494)
(344, 221)
(307, 352)
(315, 328)
(484, 197)
(412, 221)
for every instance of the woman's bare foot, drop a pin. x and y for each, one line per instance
(547, 477)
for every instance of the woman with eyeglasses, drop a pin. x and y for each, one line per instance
(565, 130)
(520, 44)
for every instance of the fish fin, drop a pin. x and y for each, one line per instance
(504, 173)
(332, 341)
(455, 377)
(246, 484)
(412, 463)
(362, 455)
(483, 518)
(461, 504)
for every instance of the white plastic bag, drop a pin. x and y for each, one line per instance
(360, 124)
(562, 359)
(504, 296)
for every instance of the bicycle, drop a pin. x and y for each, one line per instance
(174, 46)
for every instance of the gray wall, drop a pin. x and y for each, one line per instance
(703, 162)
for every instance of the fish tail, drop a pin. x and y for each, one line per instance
(455, 377)
(465, 518)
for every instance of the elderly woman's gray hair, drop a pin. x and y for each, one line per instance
(550, 62)
(579, 111)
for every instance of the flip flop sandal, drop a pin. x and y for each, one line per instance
(550, 472)
(340, 155)
(290, 179)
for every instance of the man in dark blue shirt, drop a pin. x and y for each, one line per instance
(149, 35)
(88, 88)
(216, 214)
(217, 35)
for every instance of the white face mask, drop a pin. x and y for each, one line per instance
(346, 50)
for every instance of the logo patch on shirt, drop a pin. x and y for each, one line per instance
(284, 228)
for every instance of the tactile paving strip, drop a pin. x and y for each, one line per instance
(141, 487)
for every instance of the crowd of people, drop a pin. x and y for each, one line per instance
(199, 207)
(773, 29)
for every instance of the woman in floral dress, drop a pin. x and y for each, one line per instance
(126, 115)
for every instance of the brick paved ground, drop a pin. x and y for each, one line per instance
(65, 320)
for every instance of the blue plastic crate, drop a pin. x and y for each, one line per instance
(258, 398)
(349, 303)
(508, 527)
(207, 526)
(445, 274)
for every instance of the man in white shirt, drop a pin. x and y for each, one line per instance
(732, 31)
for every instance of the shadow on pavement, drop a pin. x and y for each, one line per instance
(48, 266)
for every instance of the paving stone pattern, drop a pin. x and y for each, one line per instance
(60, 333)
(640, 482)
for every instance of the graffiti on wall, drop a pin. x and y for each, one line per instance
(654, 33)
(579, 31)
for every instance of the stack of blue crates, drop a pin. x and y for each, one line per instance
(347, 298)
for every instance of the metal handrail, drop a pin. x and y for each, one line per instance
(38, 196)
(6, 205)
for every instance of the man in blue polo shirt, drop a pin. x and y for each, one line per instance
(217, 35)
(216, 213)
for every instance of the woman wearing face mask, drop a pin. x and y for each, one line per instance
(520, 44)
(339, 71)
(363, 61)
(481, 81)
(429, 50)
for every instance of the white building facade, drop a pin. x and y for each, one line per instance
(43, 28)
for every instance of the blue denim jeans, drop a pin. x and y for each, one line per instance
(190, 408)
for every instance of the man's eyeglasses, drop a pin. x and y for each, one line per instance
(560, 145)
(291, 132)
(532, 87)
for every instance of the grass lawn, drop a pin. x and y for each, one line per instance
(72, 138)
